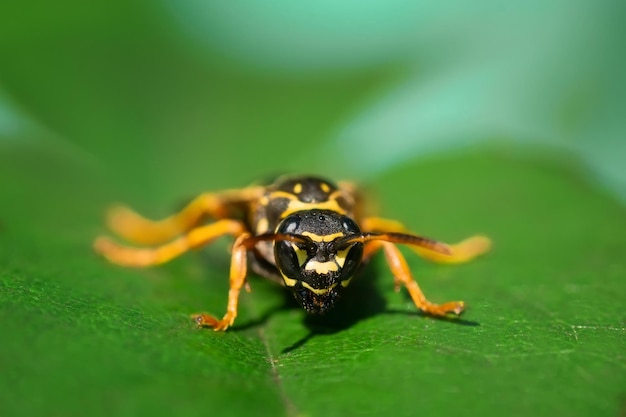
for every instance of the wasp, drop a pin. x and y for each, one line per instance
(306, 233)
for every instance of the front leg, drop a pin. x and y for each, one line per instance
(238, 271)
(401, 272)
(402, 275)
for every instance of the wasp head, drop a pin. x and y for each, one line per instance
(318, 263)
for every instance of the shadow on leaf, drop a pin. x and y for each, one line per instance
(361, 301)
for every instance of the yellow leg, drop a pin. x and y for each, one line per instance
(402, 275)
(370, 249)
(136, 229)
(463, 251)
(238, 271)
(142, 257)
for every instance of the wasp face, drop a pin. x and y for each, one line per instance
(318, 266)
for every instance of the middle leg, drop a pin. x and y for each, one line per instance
(135, 228)
(238, 272)
(143, 257)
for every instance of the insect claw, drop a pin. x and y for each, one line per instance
(204, 320)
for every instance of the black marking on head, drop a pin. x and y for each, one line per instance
(307, 189)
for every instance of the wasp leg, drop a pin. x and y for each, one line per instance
(136, 229)
(238, 271)
(460, 252)
(402, 276)
(142, 257)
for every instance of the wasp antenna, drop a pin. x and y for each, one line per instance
(401, 238)
(420, 241)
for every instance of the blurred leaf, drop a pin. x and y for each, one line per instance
(544, 334)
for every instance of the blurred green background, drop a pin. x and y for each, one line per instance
(462, 118)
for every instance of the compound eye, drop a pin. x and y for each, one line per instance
(289, 224)
(288, 260)
(349, 226)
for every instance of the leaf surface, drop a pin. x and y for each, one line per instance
(543, 335)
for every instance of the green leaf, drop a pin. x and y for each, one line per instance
(112, 102)
(543, 335)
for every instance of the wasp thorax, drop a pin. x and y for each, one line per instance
(317, 265)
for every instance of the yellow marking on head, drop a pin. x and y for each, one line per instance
(264, 201)
(262, 226)
(320, 291)
(324, 187)
(282, 194)
(346, 282)
(301, 254)
(297, 189)
(297, 205)
(289, 281)
(340, 256)
(322, 267)
(322, 238)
